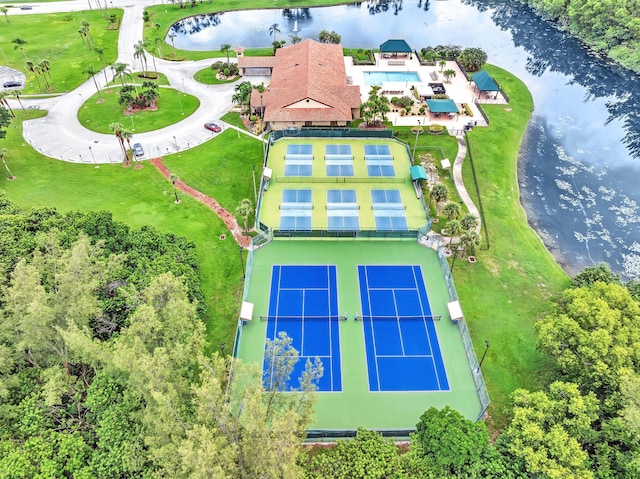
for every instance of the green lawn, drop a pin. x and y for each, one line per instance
(221, 168)
(140, 197)
(234, 119)
(99, 111)
(69, 58)
(514, 280)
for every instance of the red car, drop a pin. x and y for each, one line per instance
(213, 127)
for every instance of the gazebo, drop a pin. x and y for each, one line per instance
(484, 82)
(446, 106)
(391, 48)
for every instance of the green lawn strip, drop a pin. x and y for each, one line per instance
(234, 119)
(221, 168)
(208, 77)
(136, 197)
(54, 37)
(513, 282)
(97, 115)
(166, 15)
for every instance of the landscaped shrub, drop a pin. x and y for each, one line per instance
(403, 102)
(227, 72)
(436, 129)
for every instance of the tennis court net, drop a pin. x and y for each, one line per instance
(419, 317)
(332, 317)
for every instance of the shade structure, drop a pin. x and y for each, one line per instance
(418, 173)
(395, 46)
(484, 82)
(442, 106)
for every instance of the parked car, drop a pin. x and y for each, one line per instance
(25, 7)
(138, 150)
(213, 127)
(12, 84)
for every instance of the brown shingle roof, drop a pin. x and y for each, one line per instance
(253, 62)
(309, 71)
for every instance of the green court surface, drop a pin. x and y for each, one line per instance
(360, 181)
(355, 406)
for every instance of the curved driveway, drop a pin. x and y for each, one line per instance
(60, 135)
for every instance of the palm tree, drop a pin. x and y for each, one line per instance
(225, 48)
(45, 67)
(126, 135)
(442, 63)
(91, 73)
(469, 241)
(20, 43)
(146, 45)
(120, 70)
(16, 94)
(5, 10)
(273, 29)
(32, 68)
(173, 177)
(117, 129)
(244, 210)
(469, 222)
(100, 52)
(158, 41)
(260, 89)
(453, 228)
(439, 193)
(451, 210)
(3, 152)
(140, 53)
(40, 70)
(449, 74)
(172, 36)
(86, 27)
(82, 34)
(5, 103)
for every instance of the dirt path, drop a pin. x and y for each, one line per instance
(224, 215)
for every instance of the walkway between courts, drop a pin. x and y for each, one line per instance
(228, 218)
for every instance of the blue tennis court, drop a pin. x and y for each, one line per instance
(342, 210)
(299, 160)
(379, 160)
(402, 348)
(388, 210)
(295, 210)
(339, 160)
(304, 303)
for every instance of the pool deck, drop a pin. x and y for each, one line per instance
(459, 89)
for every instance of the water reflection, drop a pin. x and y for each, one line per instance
(578, 164)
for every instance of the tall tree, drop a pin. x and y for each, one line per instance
(139, 53)
(449, 443)
(548, 429)
(100, 52)
(5, 10)
(273, 30)
(117, 130)
(225, 47)
(91, 73)
(16, 94)
(3, 153)
(244, 210)
(19, 44)
(119, 71)
(32, 68)
(451, 210)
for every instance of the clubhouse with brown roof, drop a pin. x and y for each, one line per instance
(308, 87)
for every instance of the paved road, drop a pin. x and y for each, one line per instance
(60, 135)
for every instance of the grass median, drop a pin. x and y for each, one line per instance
(99, 111)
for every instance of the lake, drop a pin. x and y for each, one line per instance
(578, 163)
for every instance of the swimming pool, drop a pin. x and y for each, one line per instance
(377, 78)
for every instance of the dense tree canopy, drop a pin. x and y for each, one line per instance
(610, 26)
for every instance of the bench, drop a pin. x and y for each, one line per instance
(397, 63)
